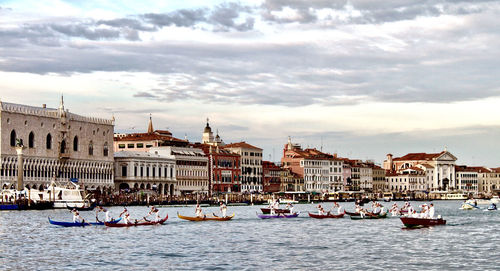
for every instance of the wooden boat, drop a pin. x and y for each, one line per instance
(81, 224)
(83, 208)
(412, 222)
(368, 216)
(215, 218)
(146, 223)
(351, 213)
(279, 215)
(278, 211)
(328, 215)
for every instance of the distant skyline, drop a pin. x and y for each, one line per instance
(358, 78)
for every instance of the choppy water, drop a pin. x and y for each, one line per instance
(469, 240)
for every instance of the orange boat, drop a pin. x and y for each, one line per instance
(204, 218)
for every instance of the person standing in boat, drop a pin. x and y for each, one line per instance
(198, 211)
(76, 216)
(376, 209)
(126, 216)
(431, 211)
(105, 211)
(289, 206)
(154, 211)
(321, 211)
(223, 209)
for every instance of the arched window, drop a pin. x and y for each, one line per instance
(63, 146)
(49, 142)
(91, 148)
(105, 149)
(75, 143)
(31, 140)
(13, 138)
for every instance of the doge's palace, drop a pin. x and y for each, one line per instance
(57, 144)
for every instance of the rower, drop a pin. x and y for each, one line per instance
(321, 211)
(376, 209)
(76, 216)
(105, 211)
(126, 216)
(383, 211)
(289, 206)
(223, 209)
(198, 211)
(154, 211)
(431, 211)
(340, 210)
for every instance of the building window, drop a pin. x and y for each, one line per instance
(130, 146)
(13, 138)
(140, 145)
(121, 146)
(31, 140)
(75, 143)
(49, 142)
(91, 148)
(124, 171)
(63, 146)
(105, 150)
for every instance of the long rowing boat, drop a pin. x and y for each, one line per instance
(204, 218)
(368, 216)
(328, 215)
(412, 222)
(81, 224)
(147, 223)
(277, 211)
(82, 208)
(279, 215)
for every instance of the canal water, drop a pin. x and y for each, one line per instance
(469, 240)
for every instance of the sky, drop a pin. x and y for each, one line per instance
(358, 78)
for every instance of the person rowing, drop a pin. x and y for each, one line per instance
(153, 211)
(76, 216)
(394, 210)
(289, 206)
(105, 211)
(431, 211)
(321, 211)
(223, 209)
(198, 211)
(126, 216)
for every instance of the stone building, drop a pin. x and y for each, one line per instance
(271, 181)
(58, 145)
(251, 165)
(136, 170)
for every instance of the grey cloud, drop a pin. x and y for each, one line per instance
(85, 31)
(181, 18)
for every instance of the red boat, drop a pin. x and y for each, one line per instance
(277, 211)
(326, 216)
(137, 223)
(412, 222)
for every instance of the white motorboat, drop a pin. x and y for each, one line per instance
(62, 195)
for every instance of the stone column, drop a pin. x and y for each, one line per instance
(20, 167)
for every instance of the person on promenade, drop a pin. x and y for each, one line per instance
(76, 216)
(223, 209)
(198, 211)
(105, 211)
(126, 215)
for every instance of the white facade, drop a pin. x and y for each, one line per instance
(58, 145)
(335, 175)
(145, 171)
(316, 175)
(366, 178)
(251, 166)
(468, 181)
(191, 166)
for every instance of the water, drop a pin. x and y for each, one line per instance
(469, 240)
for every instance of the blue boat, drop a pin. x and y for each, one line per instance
(80, 224)
(9, 207)
(492, 207)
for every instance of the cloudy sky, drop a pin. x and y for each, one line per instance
(360, 78)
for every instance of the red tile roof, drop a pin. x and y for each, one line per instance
(147, 137)
(418, 156)
(241, 145)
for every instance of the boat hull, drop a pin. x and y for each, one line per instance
(78, 224)
(264, 216)
(147, 223)
(205, 218)
(412, 222)
(326, 216)
(368, 216)
(82, 208)
(278, 211)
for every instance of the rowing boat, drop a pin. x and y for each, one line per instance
(351, 213)
(328, 215)
(147, 223)
(204, 218)
(412, 222)
(83, 208)
(368, 216)
(81, 224)
(277, 211)
(264, 216)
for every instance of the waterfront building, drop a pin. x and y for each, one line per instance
(191, 168)
(468, 179)
(58, 145)
(224, 169)
(335, 174)
(251, 165)
(489, 182)
(137, 170)
(355, 177)
(379, 182)
(346, 174)
(409, 181)
(366, 177)
(443, 163)
(291, 182)
(144, 141)
(271, 181)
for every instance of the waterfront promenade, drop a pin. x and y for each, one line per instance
(469, 240)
